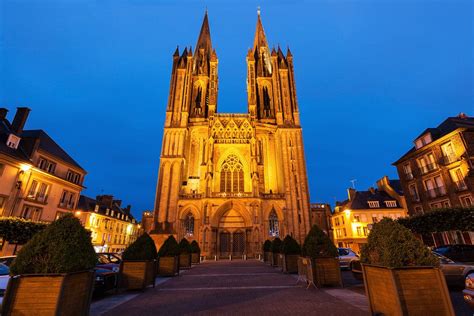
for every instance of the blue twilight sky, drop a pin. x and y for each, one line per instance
(370, 76)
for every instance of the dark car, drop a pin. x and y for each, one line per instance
(7, 260)
(458, 253)
(468, 292)
(109, 261)
(105, 280)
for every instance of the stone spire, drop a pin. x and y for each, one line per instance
(260, 39)
(204, 39)
(261, 51)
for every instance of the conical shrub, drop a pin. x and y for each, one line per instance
(170, 248)
(290, 246)
(318, 245)
(64, 246)
(276, 245)
(142, 249)
(267, 245)
(184, 246)
(390, 244)
(195, 247)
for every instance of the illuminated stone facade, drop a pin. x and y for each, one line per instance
(231, 181)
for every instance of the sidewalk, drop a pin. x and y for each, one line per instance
(235, 287)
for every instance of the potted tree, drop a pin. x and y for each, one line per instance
(275, 249)
(195, 252)
(291, 251)
(401, 275)
(54, 271)
(137, 269)
(184, 254)
(267, 254)
(323, 264)
(168, 258)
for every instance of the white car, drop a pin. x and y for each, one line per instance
(4, 278)
(346, 256)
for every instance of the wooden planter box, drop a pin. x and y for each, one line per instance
(276, 260)
(49, 294)
(195, 258)
(168, 266)
(290, 263)
(185, 261)
(406, 291)
(137, 275)
(324, 272)
(267, 256)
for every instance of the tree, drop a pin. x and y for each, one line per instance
(318, 245)
(142, 249)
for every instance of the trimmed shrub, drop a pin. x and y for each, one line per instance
(290, 246)
(318, 245)
(440, 220)
(195, 247)
(276, 245)
(170, 248)
(390, 244)
(142, 249)
(267, 246)
(184, 246)
(19, 230)
(64, 246)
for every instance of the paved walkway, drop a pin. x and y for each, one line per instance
(238, 287)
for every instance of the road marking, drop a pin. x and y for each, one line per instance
(231, 288)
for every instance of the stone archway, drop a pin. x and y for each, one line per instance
(231, 227)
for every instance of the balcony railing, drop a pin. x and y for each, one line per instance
(190, 196)
(231, 194)
(272, 195)
(38, 197)
(447, 159)
(427, 168)
(66, 205)
(460, 185)
(436, 192)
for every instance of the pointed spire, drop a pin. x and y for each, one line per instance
(204, 39)
(260, 39)
(176, 52)
(288, 52)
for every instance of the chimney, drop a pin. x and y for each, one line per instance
(351, 193)
(372, 190)
(105, 200)
(19, 120)
(3, 113)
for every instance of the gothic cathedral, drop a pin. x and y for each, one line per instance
(231, 181)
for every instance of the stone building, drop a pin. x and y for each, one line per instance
(38, 179)
(231, 181)
(438, 172)
(112, 226)
(321, 217)
(353, 218)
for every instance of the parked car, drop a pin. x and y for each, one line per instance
(109, 261)
(7, 260)
(468, 291)
(346, 257)
(458, 253)
(454, 272)
(4, 278)
(105, 280)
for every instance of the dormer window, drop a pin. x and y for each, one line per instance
(391, 203)
(46, 165)
(373, 204)
(423, 140)
(13, 141)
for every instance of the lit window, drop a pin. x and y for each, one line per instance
(274, 229)
(466, 201)
(189, 224)
(232, 175)
(391, 203)
(373, 204)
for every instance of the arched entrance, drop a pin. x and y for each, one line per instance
(231, 234)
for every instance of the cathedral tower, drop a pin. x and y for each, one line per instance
(231, 181)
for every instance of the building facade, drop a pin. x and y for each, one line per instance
(38, 179)
(353, 218)
(112, 226)
(321, 217)
(231, 181)
(438, 172)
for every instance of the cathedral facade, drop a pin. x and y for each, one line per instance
(231, 181)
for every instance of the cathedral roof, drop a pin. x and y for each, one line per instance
(204, 39)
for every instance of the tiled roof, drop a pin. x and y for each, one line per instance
(361, 199)
(19, 153)
(447, 126)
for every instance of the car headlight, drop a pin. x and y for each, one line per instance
(116, 269)
(469, 282)
(99, 278)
